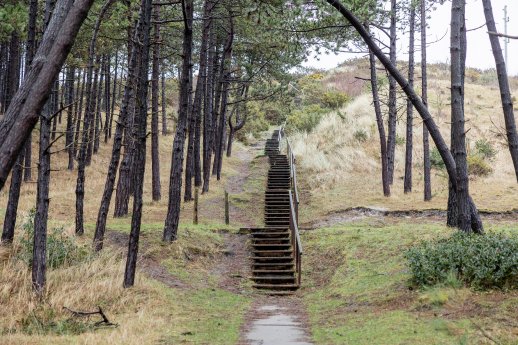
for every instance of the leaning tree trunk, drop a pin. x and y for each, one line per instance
(381, 128)
(435, 133)
(22, 115)
(503, 82)
(175, 182)
(155, 154)
(392, 101)
(427, 166)
(140, 144)
(407, 185)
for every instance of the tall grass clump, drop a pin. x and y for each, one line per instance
(481, 262)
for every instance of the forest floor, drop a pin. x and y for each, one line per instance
(354, 290)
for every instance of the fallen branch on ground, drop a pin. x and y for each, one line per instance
(103, 322)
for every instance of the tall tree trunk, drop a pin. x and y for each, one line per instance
(79, 113)
(29, 56)
(427, 166)
(69, 142)
(446, 155)
(164, 110)
(503, 82)
(208, 111)
(381, 128)
(175, 182)
(17, 172)
(140, 145)
(225, 84)
(92, 116)
(129, 93)
(155, 153)
(114, 94)
(107, 97)
(458, 30)
(392, 102)
(410, 108)
(98, 123)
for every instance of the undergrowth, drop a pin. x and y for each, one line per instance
(482, 262)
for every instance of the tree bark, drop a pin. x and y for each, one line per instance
(392, 101)
(69, 140)
(407, 184)
(175, 182)
(140, 145)
(381, 128)
(164, 110)
(155, 153)
(427, 166)
(208, 111)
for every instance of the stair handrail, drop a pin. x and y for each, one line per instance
(296, 242)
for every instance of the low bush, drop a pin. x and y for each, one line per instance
(305, 119)
(477, 166)
(436, 159)
(482, 262)
(360, 135)
(61, 249)
(334, 99)
(485, 149)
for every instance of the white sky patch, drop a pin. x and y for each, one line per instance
(479, 49)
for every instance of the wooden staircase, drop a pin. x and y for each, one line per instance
(276, 248)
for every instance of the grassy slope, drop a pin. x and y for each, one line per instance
(187, 304)
(356, 291)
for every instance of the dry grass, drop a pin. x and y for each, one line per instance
(343, 171)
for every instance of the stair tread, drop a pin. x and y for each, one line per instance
(276, 285)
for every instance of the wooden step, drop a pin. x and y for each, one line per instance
(276, 286)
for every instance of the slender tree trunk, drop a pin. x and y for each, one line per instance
(410, 108)
(129, 93)
(392, 105)
(503, 82)
(69, 142)
(155, 154)
(107, 97)
(92, 115)
(98, 124)
(434, 131)
(427, 166)
(114, 94)
(208, 111)
(175, 183)
(17, 172)
(140, 136)
(79, 114)
(164, 108)
(381, 128)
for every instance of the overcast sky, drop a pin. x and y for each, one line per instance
(479, 48)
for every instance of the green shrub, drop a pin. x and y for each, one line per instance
(485, 149)
(436, 159)
(482, 262)
(400, 140)
(477, 166)
(360, 135)
(334, 99)
(305, 119)
(61, 249)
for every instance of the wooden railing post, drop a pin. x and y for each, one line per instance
(227, 215)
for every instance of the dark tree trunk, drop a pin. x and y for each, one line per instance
(114, 94)
(189, 160)
(79, 114)
(503, 82)
(175, 182)
(91, 116)
(69, 142)
(410, 108)
(98, 120)
(225, 84)
(240, 120)
(164, 110)
(434, 131)
(427, 166)
(155, 153)
(392, 102)
(381, 128)
(107, 97)
(140, 145)
(208, 111)
(13, 71)
(129, 93)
